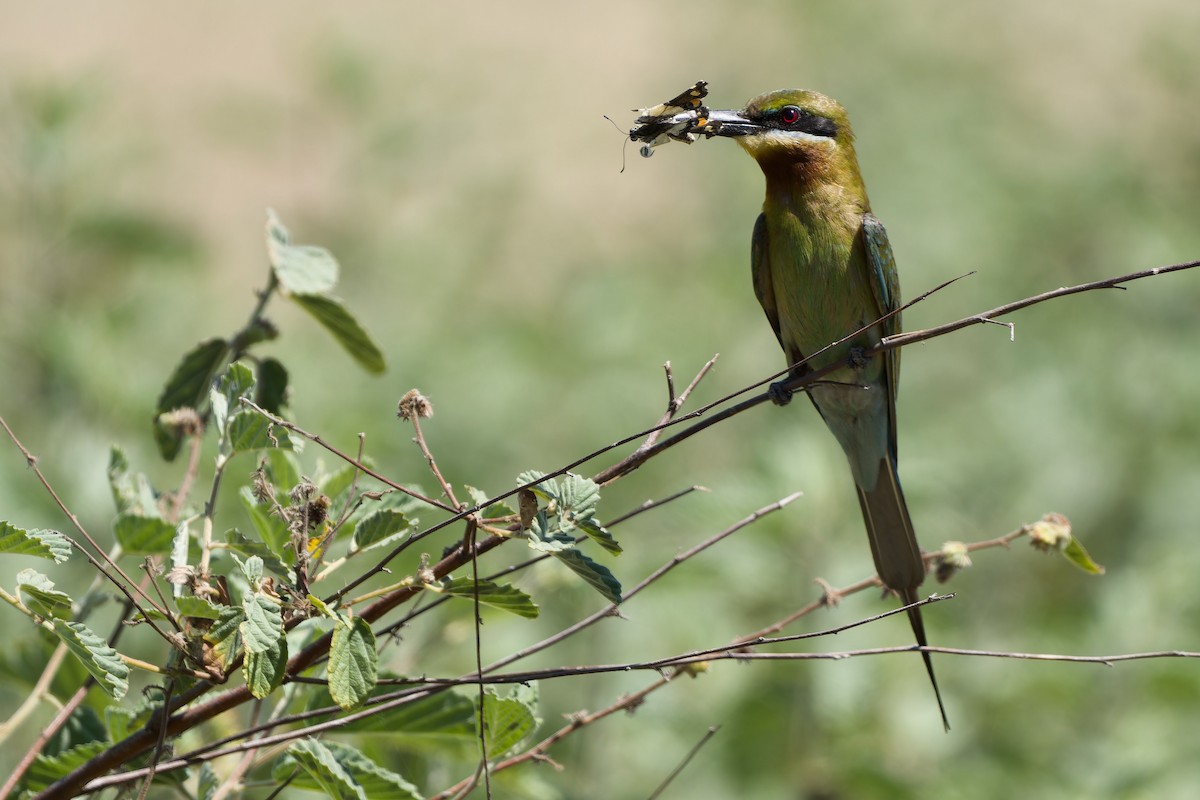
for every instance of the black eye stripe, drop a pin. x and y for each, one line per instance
(793, 118)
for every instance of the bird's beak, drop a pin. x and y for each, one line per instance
(732, 124)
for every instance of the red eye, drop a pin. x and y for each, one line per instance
(789, 115)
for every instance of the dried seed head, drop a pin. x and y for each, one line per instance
(184, 420)
(414, 405)
(952, 558)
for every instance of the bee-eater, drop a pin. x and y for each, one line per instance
(823, 269)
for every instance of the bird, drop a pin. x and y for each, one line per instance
(824, 273)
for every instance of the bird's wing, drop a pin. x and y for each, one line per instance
(760, 269)
(885, 284)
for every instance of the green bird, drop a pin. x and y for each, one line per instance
(823, 269)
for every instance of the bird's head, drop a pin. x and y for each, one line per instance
(794, 132)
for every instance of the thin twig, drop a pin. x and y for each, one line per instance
(709, 734)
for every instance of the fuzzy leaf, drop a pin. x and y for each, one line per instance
(380, 527)
(187, 388)
(249, 430)
(547, 489)
(103, 662)
(596, 575)
(352, 663)
(143, 535)
(300, 269)
(443, 714)
(577, 499)
(508, 720)
(263, 627)
(40, 596)
(320, 764)
(333, 316)
(197, 607)
(263, 672)
(41, 543)
(503, 596)
(379, 783)
(45, 770)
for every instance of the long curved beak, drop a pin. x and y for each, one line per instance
(731, 123)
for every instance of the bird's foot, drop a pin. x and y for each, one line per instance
(779, 393)
(857, 358)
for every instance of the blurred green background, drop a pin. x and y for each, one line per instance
(454, 158)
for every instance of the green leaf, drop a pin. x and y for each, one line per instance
(103, 662)
(320, 764)
(235, 383)
(1077, 555)
(577, 499)
(237, 542)
(40, 596)
(270, 527)
(330, 312)
(41, 543)
(198, 607)
(223, 636)
(249, 430)
(263, 671)
(596, 575)
(497, 509)
(270, 392)
(380, 527)
(283, 469)
(187, 388)
(547, 489)
(600, 535)
(131, 490)
(352, 663)
(443, 714)
(554, 543)
(508, 720)
(300, 269)
(208, 782)
(503, 596)
(375, 781)
(46, 770)
(262, 629)
(143, 535)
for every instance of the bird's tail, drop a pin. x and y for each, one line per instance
(897, 554)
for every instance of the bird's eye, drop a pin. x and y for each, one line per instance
(789, 115)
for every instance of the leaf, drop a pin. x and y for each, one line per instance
(554, 543)
(380, 527)
(235, 383)
(46, 770)
(187, 388)
(40, 596)
(300, 269)
(198, 608)
(223, 636)
(283, 469)
(144, 535)
(263, 671)
(352, 663)
(1077, 555)
(577, 499)
(600, 535)
(41, 543)
(103, 662)
(596, 575)
(375, 781)
(507, 720)
(330, 312)
(208, 782)
(497, 509)
(249, 430)
(319, 763)
(443, 714)
(262, 628)
(131, 490)
(237, 542)
(547, 489)
(270, 527)
(271, 389)
(503, 596)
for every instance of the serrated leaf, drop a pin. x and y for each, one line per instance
(352, 663)
(503, 596)
(208, 782)
(497, 509)
(271, 389)
(596, 575)
(380, 527)
(103, 662)
(264, 671)
(546, 489)
(577, 499)
(39, 595)
(249, 430)
(198, 607)
(235, 383)
(131, 490)
(40, 543)
(506, 721)
(223, 636)
(600, 535)
(443, 714)
(1077, 555)
(187, 388)
(320, 764)
(554, 543)
(262, 628)
(333, 316)
(379, 783)
(239, 543)
(143, 535)
(270, 527)
(46, 770)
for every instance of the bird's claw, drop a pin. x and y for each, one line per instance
(779, 393)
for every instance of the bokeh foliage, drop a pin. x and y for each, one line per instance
(455, 160)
